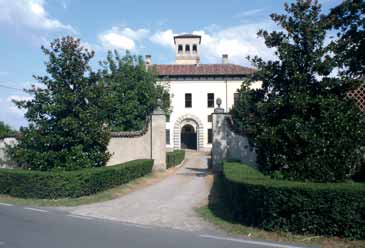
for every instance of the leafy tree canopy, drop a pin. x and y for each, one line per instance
(348, 19)
(131, 91)
(300, 121)
(66, 119)
(6, 130)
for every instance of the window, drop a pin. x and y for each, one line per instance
(210, 100)
(167, 136)
(236, 97)
(210, 118)
(187, 49)
(210, 136)
(188, 100)
(167, 118)
(195, 49)
(180, 49)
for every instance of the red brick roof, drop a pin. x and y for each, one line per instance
(203, 70)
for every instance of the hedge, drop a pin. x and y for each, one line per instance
(53, 185)
(174, 158)
(336, 209)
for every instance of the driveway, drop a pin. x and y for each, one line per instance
(169, 203)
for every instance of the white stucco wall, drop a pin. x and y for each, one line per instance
(149, 144)
(228, 145)
(125, 149)
(199, 89)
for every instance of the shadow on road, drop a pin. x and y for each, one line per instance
(199, 172)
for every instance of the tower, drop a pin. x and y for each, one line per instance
(187, 48)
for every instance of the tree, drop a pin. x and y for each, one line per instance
(132, 91)
(300, 121)
(66, 120)
(6, 130)
(348, 19)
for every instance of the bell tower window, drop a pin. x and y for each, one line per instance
(195, 49)
(187, 49)
(180, 49)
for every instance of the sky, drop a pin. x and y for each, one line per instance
(140, 26)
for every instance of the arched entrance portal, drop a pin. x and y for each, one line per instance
(188, 137)
(185, 128)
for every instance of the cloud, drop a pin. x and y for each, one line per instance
(91, 46)
(12, 108)
(248, 13)
(236, 41)
(30, 13)
(164, 38)
(122, 38)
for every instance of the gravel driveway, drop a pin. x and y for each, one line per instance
(169, 203)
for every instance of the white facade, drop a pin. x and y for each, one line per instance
(199, 112)
(188, 76)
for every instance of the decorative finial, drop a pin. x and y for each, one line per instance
(219, 102)
(158, 104)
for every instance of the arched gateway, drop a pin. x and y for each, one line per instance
(188, 133)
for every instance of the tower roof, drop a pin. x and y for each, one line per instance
(187, 36)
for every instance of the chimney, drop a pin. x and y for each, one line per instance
(148, 60)
(225, 59)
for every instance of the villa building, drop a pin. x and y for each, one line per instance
(194, 88)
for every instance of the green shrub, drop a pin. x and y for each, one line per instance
(360, 174)
(174, 158)
(334, 209)
(52, 185)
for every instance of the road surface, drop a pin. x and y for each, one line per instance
(28, 227)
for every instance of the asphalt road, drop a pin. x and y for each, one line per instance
(27, 227)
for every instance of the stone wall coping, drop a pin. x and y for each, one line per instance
(132, 134)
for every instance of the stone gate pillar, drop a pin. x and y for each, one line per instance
(158, 138)
(219, 146)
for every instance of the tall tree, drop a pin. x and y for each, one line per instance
(6, 130)
(300, 121)
(66, 123)
(132, 91)
(348, 19)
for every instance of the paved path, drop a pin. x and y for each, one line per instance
(169, 203)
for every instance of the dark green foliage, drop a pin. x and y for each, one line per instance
(300, 122)
(62, 184)
(348, 19)
(320, 140)
(336, 209)
(174, 158)
(66, 120)
(132, 91)
(6, 130)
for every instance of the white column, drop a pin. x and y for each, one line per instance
(158, 139)
(219, 146)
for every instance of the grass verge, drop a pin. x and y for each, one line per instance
(106, 195)
(217, 214)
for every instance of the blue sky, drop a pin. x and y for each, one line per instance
(143, 27)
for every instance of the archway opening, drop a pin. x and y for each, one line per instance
(188, 137)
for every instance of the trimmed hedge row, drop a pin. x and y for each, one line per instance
(53, 185)
(174, 158)
(336, 209)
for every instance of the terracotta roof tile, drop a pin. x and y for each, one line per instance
(203, 70)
